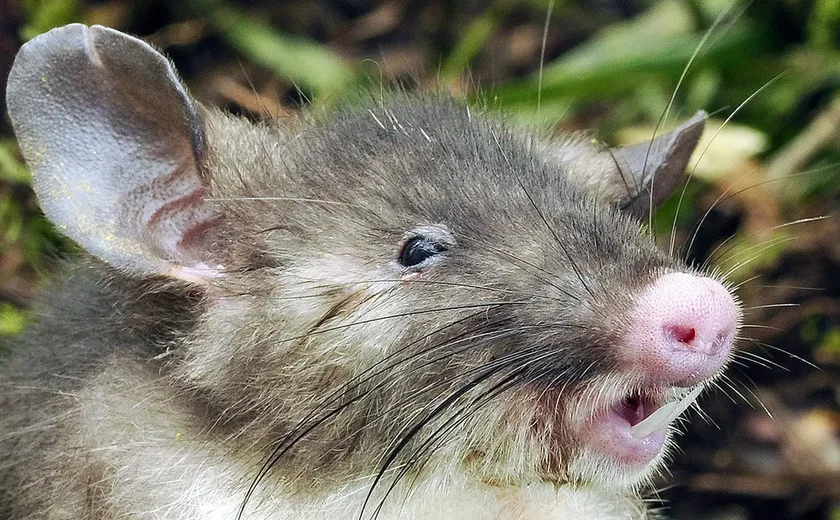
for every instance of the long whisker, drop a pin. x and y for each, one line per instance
(416, 281)
(793, 287)
(413, 431)
(760, 360)
(770, 306)
(542, 217)
(730, 237)
(753, 394)
(804, 173)
(542, 55)
(744, 282)
(783, 351)
(734, 113)
(771, 242)
(486, 305)
(763, 245)
(728, 382)
(717, 384)
(517, 261)
(299, 432)
(438, 437)
(709, 144)
(557, 239)
(664, 117)
(722, 198)
(757, 326)
(734, 235)
(756, 256)
(703, 218)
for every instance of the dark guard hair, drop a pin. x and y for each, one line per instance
(406, 286)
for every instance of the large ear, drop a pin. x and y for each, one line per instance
(636, 178)
(115, 146)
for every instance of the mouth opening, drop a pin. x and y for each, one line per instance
(635, 408)
(633, 429)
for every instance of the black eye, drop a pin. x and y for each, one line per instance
(419, 249)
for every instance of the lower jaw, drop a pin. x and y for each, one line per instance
(593, 468)
(611, 438)
(630, 451)
(610, 461)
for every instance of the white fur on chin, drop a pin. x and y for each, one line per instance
(439, 498)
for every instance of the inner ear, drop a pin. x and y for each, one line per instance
(115, 145)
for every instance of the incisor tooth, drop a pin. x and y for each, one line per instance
(664, 415)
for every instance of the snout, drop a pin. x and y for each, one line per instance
(681, 330)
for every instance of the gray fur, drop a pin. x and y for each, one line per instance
(636, 177)
(137, 388)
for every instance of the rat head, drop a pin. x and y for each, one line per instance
(402, 286)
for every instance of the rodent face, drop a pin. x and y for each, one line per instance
(402, 288)
(472, 300)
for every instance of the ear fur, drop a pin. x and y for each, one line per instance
(657, 167)
(115, 145)
(635, 178)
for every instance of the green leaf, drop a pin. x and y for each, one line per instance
(474, 37)
(12, 320)
(12, 169)
(309, 65)
(617, 61)
(824, 24)
(44, 15)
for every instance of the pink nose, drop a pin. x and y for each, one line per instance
(681, 330)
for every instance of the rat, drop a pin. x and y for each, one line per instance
(400, 310)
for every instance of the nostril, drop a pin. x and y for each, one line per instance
(688, 339)
(681, 334)
(681, 329)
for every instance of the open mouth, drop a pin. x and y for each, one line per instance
(633, 429)
(660, 417)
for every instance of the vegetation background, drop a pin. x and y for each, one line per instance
(761, 204)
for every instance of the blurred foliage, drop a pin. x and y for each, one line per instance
(306, 63)
(768, 72)
(42, 16)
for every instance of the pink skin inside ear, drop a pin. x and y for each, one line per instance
(680, 333)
